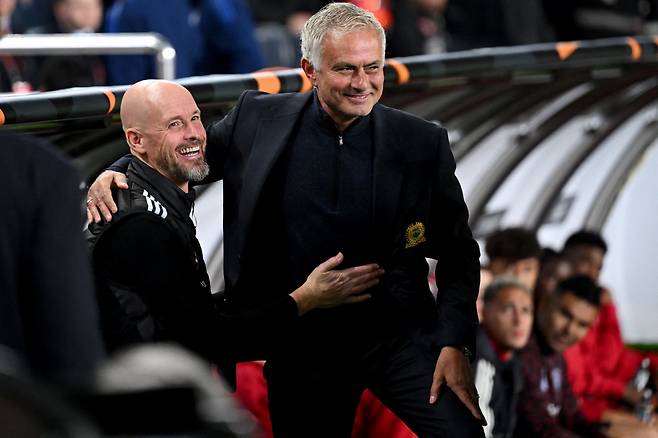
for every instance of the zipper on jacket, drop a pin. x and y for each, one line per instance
(337, 172)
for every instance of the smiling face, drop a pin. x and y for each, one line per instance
(350, 78)
(167, 132)
(564, 319)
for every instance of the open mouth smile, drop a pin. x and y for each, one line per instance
(190, 151)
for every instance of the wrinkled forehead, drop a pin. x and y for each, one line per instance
(172, 102)
(350, 42)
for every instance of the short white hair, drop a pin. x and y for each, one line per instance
(340, 18)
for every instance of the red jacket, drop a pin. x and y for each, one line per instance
(600, 366)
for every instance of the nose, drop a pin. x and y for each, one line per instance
(359, 79)
(516, 317)
(571, 328)
(193, 131)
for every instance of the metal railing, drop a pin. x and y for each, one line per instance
(95, 44)
(425, 72)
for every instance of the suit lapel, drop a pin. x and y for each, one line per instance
(271, 138)
(387, 179)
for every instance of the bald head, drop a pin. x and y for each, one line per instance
(163, 128)
(143, 101)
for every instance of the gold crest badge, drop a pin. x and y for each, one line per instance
(415, 234)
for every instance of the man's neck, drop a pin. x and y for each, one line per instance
(504, 353)
(184, 186)
(341, 123)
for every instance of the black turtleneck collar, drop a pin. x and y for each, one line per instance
(327, 123)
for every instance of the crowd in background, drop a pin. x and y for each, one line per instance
(241, 36)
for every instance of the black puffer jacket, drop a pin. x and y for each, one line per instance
(153, 285)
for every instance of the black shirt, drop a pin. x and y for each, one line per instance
(327, 193)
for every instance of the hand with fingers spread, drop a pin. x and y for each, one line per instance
(99, 196)
(326, 287)
(453, 370)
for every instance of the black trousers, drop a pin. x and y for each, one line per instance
(316, 394)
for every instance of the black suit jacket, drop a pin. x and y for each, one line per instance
(418, 207)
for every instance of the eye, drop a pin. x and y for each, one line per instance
(507, 308)
(583, 324)
(175, 124)
(196, 117)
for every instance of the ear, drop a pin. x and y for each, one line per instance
(309, 70)
(483, 312)
(134, 139)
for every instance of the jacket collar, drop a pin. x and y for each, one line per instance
(388, 165)
(177, 202)
(273, 135)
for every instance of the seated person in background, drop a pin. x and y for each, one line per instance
(152, 280)
(15, 71)
(505, 328)
(175, 22)
(511, 252)
(515, 252)
(58, 72)
(230, 44)
(547, 407)
(601, 368)
(553, 269)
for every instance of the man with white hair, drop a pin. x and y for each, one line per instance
(306, 175)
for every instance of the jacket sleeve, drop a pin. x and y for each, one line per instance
(149, 265)
(121, 165)
(586, 374)
(600, 365)
(458, 268)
